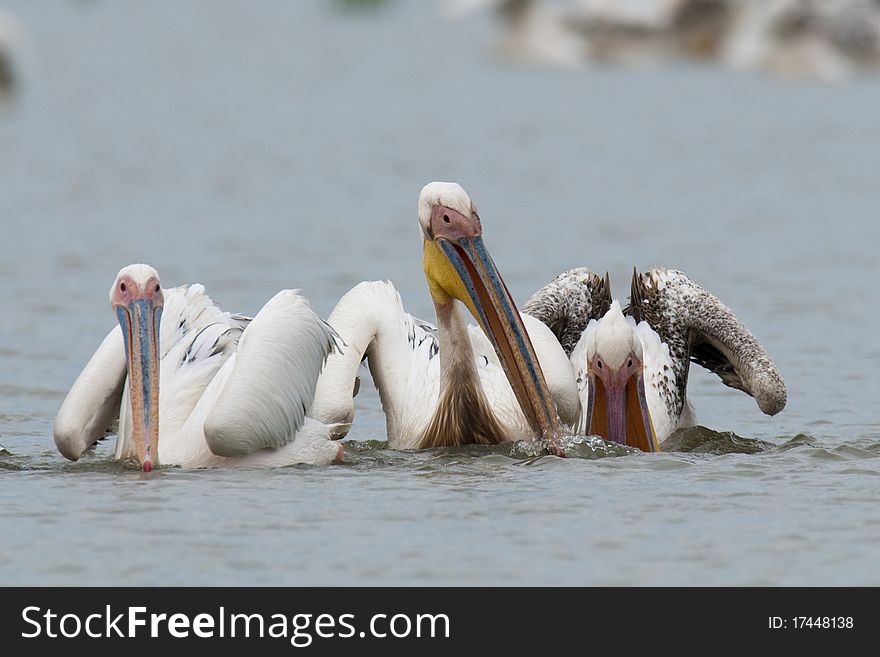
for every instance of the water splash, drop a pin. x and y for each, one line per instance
(365, 446)
(800, 440)
(579, 447)
(8, 462)
(582, 447)
(702, 440)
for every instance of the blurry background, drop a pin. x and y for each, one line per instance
(252, 146)
(795, 39)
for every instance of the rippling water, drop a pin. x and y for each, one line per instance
(255, 146)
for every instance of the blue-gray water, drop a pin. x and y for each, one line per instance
(255, 146)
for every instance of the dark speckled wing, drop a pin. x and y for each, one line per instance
(568, 303)
(697, 327)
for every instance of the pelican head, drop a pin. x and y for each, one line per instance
(458, 267)
(617, 407)
(137, 298)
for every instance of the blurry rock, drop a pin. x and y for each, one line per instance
(7, 78)
(10, 40)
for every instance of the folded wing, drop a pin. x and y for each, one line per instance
(272, 384)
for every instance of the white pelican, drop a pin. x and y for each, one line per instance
(533, 33)
(649, 30)
(806, 39)
(234, 391)
(453, 385)
(631, 372)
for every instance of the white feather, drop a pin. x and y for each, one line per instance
(250, 381)
(660, 383)
(272, 386)
(92, 404)
(613, 334)
(448, 194)
(403, 356)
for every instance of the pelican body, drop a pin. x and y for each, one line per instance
(234, 390)
(453, 385)
(631, 364)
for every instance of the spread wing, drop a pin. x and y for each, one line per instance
(698, 327)
(568, 303)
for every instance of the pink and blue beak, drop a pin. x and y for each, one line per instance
(139, 312)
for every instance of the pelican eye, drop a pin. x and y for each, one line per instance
(629, 363)
(122, 287)
(599, 363)
(446, 218)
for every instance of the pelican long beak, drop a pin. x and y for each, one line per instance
(618, 410)
(481, 288)
(140, 331)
